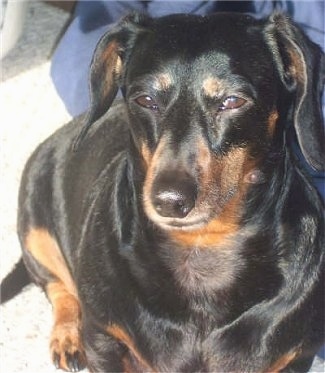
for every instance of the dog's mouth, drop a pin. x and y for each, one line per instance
(191, 222)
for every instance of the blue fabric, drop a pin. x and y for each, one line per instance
(71, 60)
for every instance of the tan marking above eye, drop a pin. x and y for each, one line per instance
(212, 86)
(163, 82)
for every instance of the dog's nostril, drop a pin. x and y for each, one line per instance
(174, 203)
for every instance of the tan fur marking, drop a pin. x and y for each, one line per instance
(228, 169)
(150, 177)
(284, 361)
(163, 82)
(211, 235)
(65, 336)
(121, 335)
(204, 158)
(127, 368)
(272, 122)
(146, 155)
(118, 66)
(45, 249)
(111, 63)
(212, 86)
(109, 55)
(297, 67)
(232, 167)
(215, 232)
(62, 293)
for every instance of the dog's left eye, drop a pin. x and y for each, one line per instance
(232, 102)
(147, 102)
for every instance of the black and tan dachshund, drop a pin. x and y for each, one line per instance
(175, 231)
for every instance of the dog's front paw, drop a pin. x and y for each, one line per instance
(66, 348)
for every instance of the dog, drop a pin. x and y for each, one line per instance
(175, 230)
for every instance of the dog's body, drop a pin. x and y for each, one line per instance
(182, 234)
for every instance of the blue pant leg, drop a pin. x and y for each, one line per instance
(71, 60)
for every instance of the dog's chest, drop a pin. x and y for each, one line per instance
(204, 270)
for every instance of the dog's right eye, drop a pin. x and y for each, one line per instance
(147, 102)
(232, 102)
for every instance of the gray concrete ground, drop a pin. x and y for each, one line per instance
(30, 110)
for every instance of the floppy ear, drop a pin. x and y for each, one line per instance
(107, 67)
(300, 63)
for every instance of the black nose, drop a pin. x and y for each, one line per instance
(174, 195)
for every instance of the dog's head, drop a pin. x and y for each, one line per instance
(208, 100)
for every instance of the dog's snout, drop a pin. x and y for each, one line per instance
(174, 196)
(173, 203)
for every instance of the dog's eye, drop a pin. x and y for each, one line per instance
(232, 102)
(147, 102)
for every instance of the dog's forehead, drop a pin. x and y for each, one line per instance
(196, 34)
(201, 46)
(210, 72)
